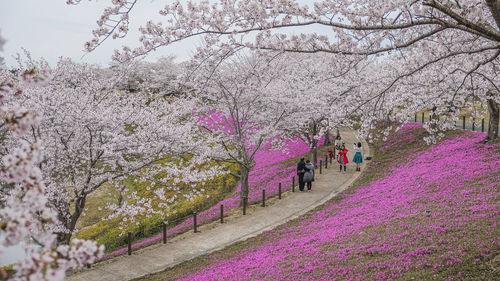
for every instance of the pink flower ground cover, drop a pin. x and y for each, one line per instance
(435, 213)
(267, 174)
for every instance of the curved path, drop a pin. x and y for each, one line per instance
(214, 237)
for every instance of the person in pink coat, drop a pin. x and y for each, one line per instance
(343, 160)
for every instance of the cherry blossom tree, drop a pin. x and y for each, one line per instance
(149, 78)
(237, 108)
(307, 98)
(462, 35)
(316, 88)
(26, 212)
(94, 135)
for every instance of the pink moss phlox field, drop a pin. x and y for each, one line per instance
(445, 188)
(267, 174)
(405, 136)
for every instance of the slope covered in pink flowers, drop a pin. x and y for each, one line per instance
(420, 213)
(271, 168)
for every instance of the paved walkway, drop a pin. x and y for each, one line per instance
(214, 237)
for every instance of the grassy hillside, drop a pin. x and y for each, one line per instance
(419, 212)
(271, 168)
(108, 232)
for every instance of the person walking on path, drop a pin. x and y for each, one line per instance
(343, 160)
(309, 175)
(338, 144)
(301, 169)
(358, 158)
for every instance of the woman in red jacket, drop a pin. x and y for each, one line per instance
(343, 160)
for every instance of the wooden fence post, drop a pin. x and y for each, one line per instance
(482, 125)
(164, 233)
(463, 122)
(221, 213)
(129, 243)
(279, 191)
(263, 197)
(194, 223)
(326, 161)
(423, 117)
(320, 166)
(293, 184)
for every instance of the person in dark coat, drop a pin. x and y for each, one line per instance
(309, 175)
(301, 169)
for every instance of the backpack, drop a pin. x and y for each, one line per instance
(308, 176)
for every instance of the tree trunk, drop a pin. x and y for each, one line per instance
(494, 112)
(120, 199)
(314, 155)
(63, 238)
(313, 143)
(327, 138)
(494, 6)
(313, 150)
(244, 172)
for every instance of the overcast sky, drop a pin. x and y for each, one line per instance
(51, 29)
